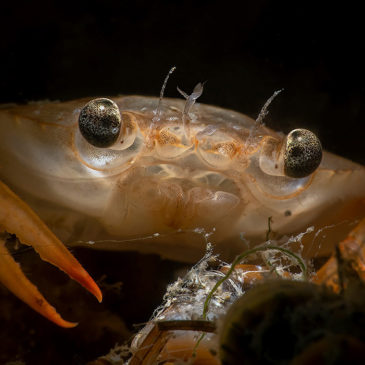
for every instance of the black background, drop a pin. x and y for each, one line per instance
(245, 50)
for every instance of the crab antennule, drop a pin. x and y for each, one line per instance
(18, 218)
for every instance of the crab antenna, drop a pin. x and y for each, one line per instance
(157, 116)
(260, 119)
(264, 111)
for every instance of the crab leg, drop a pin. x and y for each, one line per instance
(351, 249)
(18, 218)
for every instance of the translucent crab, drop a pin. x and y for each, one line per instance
(151, 174)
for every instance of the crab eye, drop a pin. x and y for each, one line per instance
(100, 122)
(303, 153)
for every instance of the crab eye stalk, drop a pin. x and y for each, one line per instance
(303, 153)
(100, 122)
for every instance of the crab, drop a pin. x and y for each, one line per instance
(157, 175)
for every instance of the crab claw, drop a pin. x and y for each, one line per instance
(16, 217)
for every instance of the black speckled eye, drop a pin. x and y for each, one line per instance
(303, 153)
(100, 122)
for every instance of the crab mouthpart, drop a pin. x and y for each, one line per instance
(165, 197)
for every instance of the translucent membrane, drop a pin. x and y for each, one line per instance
(128, 133)
(271, 158)
(105, 158)
(263, 180)
(217, 150)
(170, 142)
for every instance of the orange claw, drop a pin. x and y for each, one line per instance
(18, 218)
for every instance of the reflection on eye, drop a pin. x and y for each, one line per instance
(303, 153)
(100, 122)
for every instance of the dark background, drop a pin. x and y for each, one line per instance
(245, 50)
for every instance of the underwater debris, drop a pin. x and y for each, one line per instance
(282, 321)
(206, 319)
(193, 305)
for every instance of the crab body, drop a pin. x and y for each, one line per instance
(175, 173)
(160, 187)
